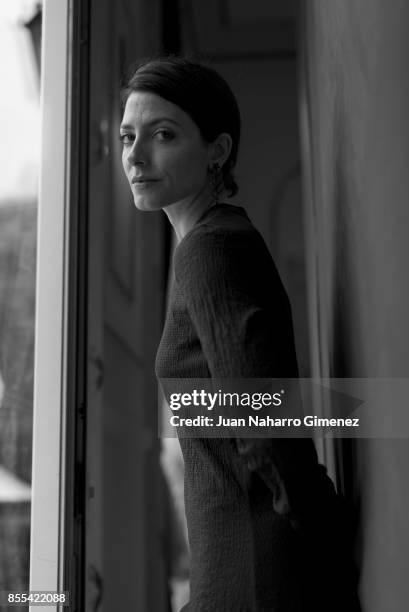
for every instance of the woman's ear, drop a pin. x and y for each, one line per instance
(221, 149)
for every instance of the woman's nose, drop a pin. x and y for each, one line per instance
(138, 154)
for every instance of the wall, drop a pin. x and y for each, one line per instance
(354, 102)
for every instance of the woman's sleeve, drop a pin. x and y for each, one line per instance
(241, 314)
(224, 281)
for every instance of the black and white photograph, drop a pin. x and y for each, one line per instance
(204, 298)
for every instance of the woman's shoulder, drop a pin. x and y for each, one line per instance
(223, 237)
(222, 225)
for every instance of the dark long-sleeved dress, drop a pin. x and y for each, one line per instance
(229, 317)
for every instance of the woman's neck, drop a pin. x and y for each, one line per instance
(184, 214)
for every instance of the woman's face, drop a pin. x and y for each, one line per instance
(164, 156)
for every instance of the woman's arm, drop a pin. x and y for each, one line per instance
(237, 304)
(240, 311)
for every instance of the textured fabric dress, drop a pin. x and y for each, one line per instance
(229, 317)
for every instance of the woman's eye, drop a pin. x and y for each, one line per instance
(126, 139)
(164, 134)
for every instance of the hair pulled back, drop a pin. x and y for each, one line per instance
(198, 90)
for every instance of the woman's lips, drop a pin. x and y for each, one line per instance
(142, 183)
(143, 179)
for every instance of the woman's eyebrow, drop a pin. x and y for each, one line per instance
(160, 119)
(128, 126)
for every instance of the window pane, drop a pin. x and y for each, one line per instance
(20, 30)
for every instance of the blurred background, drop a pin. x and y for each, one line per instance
(322, 172)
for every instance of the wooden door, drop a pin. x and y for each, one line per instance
(124, 560)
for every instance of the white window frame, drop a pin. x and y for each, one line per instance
(50, 365)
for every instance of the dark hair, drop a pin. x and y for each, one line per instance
(198, 90)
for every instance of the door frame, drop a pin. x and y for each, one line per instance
(57, 508)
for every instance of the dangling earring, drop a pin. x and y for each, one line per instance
(215, 181)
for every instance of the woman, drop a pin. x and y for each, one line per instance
(260, 514)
